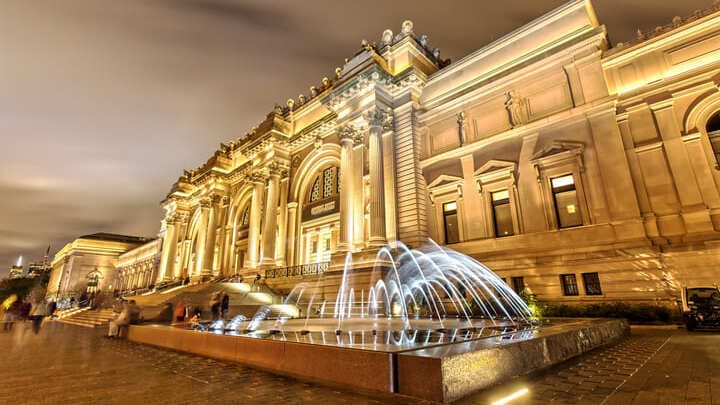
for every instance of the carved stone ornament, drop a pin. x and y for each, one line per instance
(407, 27)
(516, 107)
(462, 133)
(424, 40)
(379, 118)
(387, 36)
(319, 142)
(347, 132)
(256, 177)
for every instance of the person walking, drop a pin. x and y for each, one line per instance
(224, 306)
(180, 311)
(37, 314)
(11, 306)
(215, 305)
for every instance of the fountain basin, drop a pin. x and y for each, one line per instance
(449, 372)
(440, 366)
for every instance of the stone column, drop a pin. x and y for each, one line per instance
(209, 254)
(377, 186)
(346, 188)
(228, 251)
(254, 227)
(358, 194)
(219, 262)
(282, 240)
(680, 167)
(201, 238)
(291, 227)
(169, 249)
(269, 233)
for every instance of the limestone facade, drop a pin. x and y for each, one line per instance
(575, 169)
(88, 264)
(137, 268)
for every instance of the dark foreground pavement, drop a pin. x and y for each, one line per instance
(73, 365)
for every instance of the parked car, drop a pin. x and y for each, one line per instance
(701, 307)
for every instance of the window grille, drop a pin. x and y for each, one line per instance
(569, 284)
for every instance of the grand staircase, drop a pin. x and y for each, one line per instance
(245, 298)
(86, 317)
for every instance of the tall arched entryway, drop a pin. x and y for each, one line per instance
(713, 131)
(237, 232)
(314, 207)
(320, 215)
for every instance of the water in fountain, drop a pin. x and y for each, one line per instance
(428, 288)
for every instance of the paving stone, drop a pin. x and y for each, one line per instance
(68, 364)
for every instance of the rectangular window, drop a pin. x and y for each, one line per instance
(569, 284)
(502, 217)
(450, 220)
(567, 209)
(592, 283)
(314, 246)
(518, 284)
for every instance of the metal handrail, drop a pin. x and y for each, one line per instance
(299, 270)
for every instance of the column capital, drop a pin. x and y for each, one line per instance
(276, 169)
(257, 178)
(376, 117)
(347, 133)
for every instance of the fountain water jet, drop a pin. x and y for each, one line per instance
(410, 289)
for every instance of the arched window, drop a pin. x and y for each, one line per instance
(315, 192)
(325, 184)
(713, 130)
(245, 217)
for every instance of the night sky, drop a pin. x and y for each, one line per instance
(104, 103)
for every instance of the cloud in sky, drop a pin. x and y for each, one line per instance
(104, 103)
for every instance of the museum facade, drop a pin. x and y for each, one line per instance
(577, 170)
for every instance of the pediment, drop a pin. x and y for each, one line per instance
(444, 180)
(493, 166)
(558, 148)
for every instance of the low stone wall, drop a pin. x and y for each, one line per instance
(443, 373)
(363, 369)
(446, 373)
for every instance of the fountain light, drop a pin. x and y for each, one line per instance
(515, 395)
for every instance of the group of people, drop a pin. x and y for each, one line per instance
(130, 313)
(15, 310)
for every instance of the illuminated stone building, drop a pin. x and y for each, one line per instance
(16, 271)
(137, 268)
(577, 169)
(88, 264)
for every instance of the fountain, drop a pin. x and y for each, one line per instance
(434, 293)
(428, 322)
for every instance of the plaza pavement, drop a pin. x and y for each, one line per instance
(65, 364)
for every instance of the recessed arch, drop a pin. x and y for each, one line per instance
(328, 154)
(701, 111)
